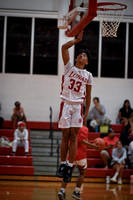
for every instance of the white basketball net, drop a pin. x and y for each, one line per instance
(110, 18)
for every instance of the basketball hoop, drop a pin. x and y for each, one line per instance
(110, 14)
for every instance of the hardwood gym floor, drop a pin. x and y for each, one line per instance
(25, 190)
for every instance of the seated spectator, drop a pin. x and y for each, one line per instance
(97, 114)
(18, 114)
(125, 136)
(110, 143)
(118, 162)
(125, 113)
(1, 119)
(130, 154)
(131, 123)
(20, 138)
(1, 122)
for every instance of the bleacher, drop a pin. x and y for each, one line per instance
(14, 165)
(22, 165)
(95, 166)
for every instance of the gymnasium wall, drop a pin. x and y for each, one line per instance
(50, 5)
(38, 92)
(40, 5)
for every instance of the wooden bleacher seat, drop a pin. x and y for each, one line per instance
(14, 165)
(16, 160)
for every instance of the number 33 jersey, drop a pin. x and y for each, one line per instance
(74, 81)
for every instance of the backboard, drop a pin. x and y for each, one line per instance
(74, 15)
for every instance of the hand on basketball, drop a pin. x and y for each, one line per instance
(96, 146)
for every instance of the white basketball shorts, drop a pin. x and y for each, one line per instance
(81, 164)
(71, 115)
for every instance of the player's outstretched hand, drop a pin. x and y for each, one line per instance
(80, 36)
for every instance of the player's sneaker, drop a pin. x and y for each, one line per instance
(114, 180)
(60, 172)
(119, 181)
(61, 195)
(67, 174)
(76, 195)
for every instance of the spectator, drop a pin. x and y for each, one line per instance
(125, 113)
(1, 122)
(131, 123)
(110, 143)
(130, 154)
(18, 114)
(97, 114)
(20, 138)
(1, 119)
(80, 161)
(118, 162)
(125, 136)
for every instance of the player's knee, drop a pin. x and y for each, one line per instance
(103, 153)
(74, 132)
(82, 172)
(73, 138)
(65, 136)
(122, 166)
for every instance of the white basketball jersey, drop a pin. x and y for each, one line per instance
(74, 81)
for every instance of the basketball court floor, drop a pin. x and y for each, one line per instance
(25, 190)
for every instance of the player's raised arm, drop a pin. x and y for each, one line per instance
(66, 46)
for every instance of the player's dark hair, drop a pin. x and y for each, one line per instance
(86, 52)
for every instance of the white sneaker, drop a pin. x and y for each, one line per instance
(107, 179)
(119, 181)
(114, 180)
(81, 189)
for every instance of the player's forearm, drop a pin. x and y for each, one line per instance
(66, 46)
(70, 44)
(89, 144)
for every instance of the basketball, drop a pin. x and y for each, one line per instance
(100, 142)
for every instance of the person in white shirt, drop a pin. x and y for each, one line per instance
(20, 138)
(119, 155)
(75, 88)
(97, 114)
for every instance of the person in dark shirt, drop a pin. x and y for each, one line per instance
(125, 113)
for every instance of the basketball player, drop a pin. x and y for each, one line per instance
(76, 85)
(80, 161)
